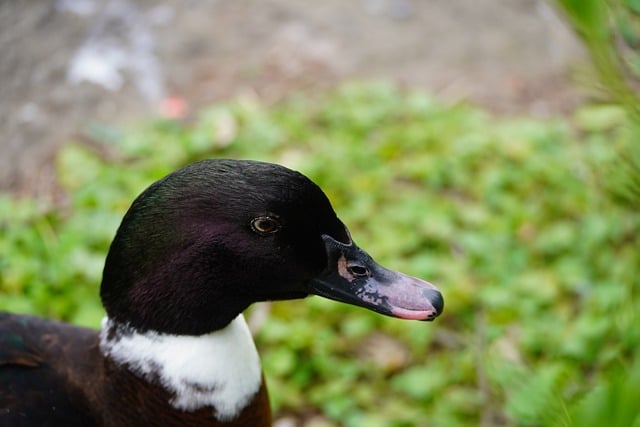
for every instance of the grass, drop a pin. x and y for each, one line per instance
(512, 218)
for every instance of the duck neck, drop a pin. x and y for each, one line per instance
(220, 369)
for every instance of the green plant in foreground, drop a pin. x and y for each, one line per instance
(506, 215)
(610, 31)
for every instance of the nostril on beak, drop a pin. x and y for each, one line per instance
(435, 298)
(358, 271)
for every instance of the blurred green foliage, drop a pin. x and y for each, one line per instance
(510, 217)
(610, 30)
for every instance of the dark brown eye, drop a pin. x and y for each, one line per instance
(265, 225)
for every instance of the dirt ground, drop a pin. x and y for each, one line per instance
(68, 64)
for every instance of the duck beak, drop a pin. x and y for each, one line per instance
(353, 277)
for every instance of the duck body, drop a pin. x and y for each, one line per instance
(193, 251)
(58, 375)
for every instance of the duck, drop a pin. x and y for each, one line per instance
(193, 251)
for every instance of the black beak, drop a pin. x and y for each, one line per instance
(353, 277)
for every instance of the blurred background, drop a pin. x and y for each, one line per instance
(93, 61)
(490, 147)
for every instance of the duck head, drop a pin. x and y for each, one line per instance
(199, 246)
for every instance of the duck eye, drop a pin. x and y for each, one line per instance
(265, 225)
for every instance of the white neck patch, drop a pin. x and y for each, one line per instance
(219, 369)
